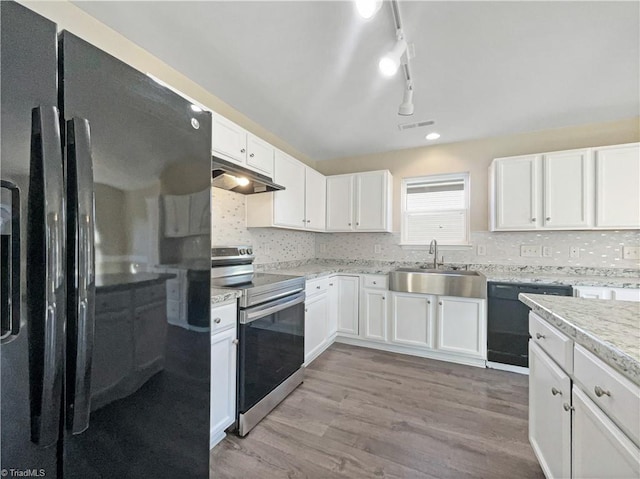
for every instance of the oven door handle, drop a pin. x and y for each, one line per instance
(249, 315)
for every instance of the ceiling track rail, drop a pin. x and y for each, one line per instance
(406, 67)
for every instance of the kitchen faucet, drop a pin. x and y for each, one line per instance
(433, 249)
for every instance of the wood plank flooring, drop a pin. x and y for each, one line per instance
(363, 413)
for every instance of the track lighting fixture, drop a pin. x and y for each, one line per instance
(368, 8)
(390, 63)
(406, 107)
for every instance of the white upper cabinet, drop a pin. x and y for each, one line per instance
(592, 188)
(568, 190)
(260, 155)
(618, 193)
(229, 141)
(289, 203)
(315, 200)
(200, 213)
(176, 215)
(359, 202)
(340, 201)
(516, 192)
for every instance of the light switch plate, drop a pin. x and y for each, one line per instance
(377, 249)
(546, 251)
(482, 250)
(631, 252)
(574, 252)
(530, 251)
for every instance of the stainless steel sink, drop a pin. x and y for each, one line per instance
(468, 284)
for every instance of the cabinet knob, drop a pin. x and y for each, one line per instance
(375, 282)
(567, 407)
(251, 155)
(242, 150)
(308, 221)
(330, 284)
(383, 298)
(358, 223)
(555, 392)
(235, 341)
(317, 287)
(601, 392)
(533, 220)
(306, 310)
(540, 336)
(428, 301)
(217, 320)
(440, 303)
(548, 218)
(349, 224)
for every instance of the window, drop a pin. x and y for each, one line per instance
(435, 207)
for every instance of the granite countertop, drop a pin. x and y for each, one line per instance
(609, 329)
(193, 264)
(312, 271)
(220, 295)
(127, 280)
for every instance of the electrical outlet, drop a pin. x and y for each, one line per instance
(574, 252)
(529, 251)
(546, 251)
(482, 250)
(377, 249)
(631, 252)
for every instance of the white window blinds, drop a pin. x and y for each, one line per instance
(436, 207)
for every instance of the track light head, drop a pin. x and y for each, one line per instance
(406, 107)
(390, 63)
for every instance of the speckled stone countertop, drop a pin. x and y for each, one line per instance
(316, 270)
(609, 329)
(219, 295)
(111, 282)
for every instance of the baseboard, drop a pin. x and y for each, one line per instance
(508, 367)
(393, 348)
(215, 438)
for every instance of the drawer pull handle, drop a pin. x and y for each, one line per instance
(555, 392)
(375, 282)
(330, 284)
(235, 341)
(217, 320)
(567, 407)
(540, 336)
(317, 287)
(306, 310)
(601, 392)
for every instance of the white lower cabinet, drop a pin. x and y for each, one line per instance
(413, 319)
(600, 449)
(374, 313)
(316, 325)
(223, 371)
(462, 326)
(348, 305)
(599, 292)
(549, 422)
(333, 292)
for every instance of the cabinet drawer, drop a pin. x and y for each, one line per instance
(150, 294)
(223, 317)
(554, 343)
(173, 309)
(377, 281)
(611, 391)
(174, 290)
(112, 301)
(316, 286)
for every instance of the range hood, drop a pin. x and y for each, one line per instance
(232, 177)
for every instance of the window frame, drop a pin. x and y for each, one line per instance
(465, 177)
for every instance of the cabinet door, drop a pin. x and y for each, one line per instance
(259, 155)
(229, 140)
(333, 306)
(461, 326)
(372, 201)
(567, 190)
(316, 329)
(600, 449)
(592, 292)
(412, 319)
(340, 203)
(200, 213)
(348, 287)
(549, 422)
(223, 381)
(516, 193)
(374, 314)
(176, 215)
(625, 294)
(617, 192)
(289, 203)
(315, 200)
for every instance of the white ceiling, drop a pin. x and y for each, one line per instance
(307, 71)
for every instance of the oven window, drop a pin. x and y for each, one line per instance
(271, 350)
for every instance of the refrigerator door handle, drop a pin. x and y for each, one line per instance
(81, 231)
(46, 290)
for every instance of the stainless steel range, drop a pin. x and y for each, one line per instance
(270, 332)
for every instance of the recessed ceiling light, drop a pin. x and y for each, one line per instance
(368, 8)
(433, 136)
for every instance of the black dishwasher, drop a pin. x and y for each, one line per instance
(508, 320)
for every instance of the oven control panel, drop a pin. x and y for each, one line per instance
(231, 254)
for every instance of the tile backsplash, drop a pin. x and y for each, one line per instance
(270, 245)
(597, 249)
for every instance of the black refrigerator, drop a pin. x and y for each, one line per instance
(94, 382)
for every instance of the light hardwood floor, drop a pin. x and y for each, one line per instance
(363, 413)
